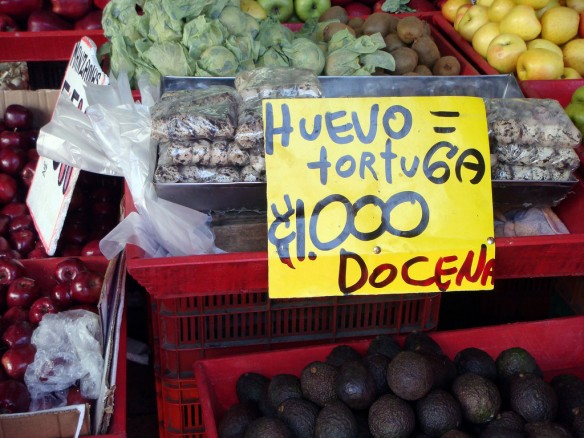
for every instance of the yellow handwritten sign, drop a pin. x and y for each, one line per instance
(378, 195)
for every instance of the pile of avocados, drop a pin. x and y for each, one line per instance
(409, 390)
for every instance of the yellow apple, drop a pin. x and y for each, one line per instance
(551, 4)
(459, 14)
(522, 21)
(577, 5)
(483, 37)
(535, 4)
(540, 43)
(499, 8)
(539, 64)
(574, 55)
(472, 20)
(504, 50)
(486, 3)
(560, 24)
(449, 8)
(570, 73)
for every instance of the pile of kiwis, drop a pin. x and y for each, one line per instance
(408, 38)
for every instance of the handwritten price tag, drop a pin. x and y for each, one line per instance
(50, 193)
(378, 195)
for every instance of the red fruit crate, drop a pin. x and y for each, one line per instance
(188, 329)
(216, 377)
(476, 60)
(560, 89)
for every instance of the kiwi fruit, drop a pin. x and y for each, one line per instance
(410, 28)
(379, 22)
(422, 70)
(357, 24)
(446, 66)
(412, 73)
(333, 28)
(406, 60)
(335, 13)
(392, 42)
(428, 52)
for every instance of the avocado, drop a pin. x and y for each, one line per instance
(443, 368)
(455, 433)
(283, 387)
(251, 387)
(546, 430)
(479, 397)
(362, 424)
(410, 375)
(507, 420)
(477, 361)
(532, 398)
(570, 391)
(236, 420)
(500, 432)
(317, 382)
(335, 420)
(376, 364)
(299, 415)
(438, 412)
(355, 386)
(391, 417)
(341, 354)
(384, 344)
(265, 427)
(422, 342)
(515, 360)
(577, 425)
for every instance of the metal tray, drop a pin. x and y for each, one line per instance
(252, 196)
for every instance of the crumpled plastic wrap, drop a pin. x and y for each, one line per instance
(528, 222)
(68, 351)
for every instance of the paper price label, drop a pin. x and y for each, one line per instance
(50, 193)
(378, 195)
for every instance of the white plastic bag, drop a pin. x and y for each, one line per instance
(113, 137)
(68, 350)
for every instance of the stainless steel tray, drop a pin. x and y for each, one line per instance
(252, 196)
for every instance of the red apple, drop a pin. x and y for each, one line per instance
(91, 249)
(86, 287)
(70, 250)
(4, 221)
(22, 292)
(17, 333)
(12, 160)
(340, 2)
(14, 397)
(29, 139)
(4, 245)
(8, 188)
(16, 360)
(23, 241)
(10, 254)
(32, 155)
(40, 308)
(10, 270)
(23, 222)
(15, 314)
(74, 232)
(61, 294)
(27, 173)
(77, 200)
(14, 209)
(69, 269)
(37, 253)
(355, 9)
(74, 396)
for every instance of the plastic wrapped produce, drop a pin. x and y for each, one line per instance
(197, 174)
(203, 153)
(209, 113)
(503, 171)
(531, 155)
(539, 122)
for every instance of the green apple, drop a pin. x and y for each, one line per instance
(306, 9)
(281, 9)
(578, 95)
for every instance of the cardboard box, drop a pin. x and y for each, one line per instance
(76, 421)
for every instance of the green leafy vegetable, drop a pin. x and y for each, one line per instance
(169, 58)
(304, 53)
(396, 6)
(217, 61)
(200, 33)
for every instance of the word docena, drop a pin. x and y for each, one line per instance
(438, 164)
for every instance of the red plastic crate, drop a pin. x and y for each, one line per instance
(561, 89)
(44, 46)
(216, 377)
(463, 45)
(199, 327)
(179, 407)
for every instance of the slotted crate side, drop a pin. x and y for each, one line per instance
(181, 407)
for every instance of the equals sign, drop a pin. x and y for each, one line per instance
(445, 129)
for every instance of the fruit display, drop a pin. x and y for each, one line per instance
(575, 108)
(50, 15)
(223, 40)
(535, 40)
(25, 302)
(409, 389)
(94, 208)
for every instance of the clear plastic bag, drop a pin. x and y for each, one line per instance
(118, 131)
(531, 155)
(209, 113)
(511, 172)
(538, 122)
(68, 351)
